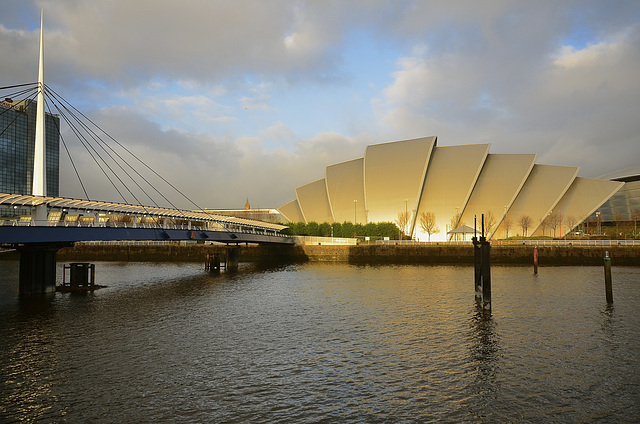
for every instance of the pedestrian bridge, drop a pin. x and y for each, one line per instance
(72, 220)
(55, 222)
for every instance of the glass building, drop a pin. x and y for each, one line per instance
(17, 144)
(625, 204)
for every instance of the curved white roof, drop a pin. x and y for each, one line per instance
(634, 171)
(454, 183)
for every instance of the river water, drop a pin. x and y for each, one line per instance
(328, 343)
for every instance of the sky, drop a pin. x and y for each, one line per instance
(249, 99)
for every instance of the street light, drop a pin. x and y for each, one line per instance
(355, 209)
(406, 215)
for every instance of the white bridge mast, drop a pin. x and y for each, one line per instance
(39, 185)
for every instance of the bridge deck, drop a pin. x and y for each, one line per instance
(70, 220)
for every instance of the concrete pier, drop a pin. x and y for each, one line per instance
(37, 268)
(233, 255)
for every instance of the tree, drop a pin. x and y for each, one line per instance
(525, 222)
(337, 229)
(371, 230)
(618, 217)
(403, 221)
(428, 223)
(387, 229)
(635, 215)
(299, 228)
(312, 229)
(348, 229)
(544, 225)
(571, 222)
(455, 221)
(489, 222)
(554, 220)
(324, 229)
(507, 223)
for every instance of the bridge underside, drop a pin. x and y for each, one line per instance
(38, 246)
(20, 235)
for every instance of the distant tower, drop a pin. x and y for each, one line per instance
(247, 205)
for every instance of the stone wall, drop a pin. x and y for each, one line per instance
(361, 254)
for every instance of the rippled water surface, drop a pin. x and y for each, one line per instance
(323, 343)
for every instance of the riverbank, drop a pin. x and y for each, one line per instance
(361, 254)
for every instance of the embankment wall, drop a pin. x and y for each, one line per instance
(360, 254)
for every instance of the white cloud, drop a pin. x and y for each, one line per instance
(173, 79)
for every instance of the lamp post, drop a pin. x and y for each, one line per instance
(598, 218)
(406, 214)
(355, 211)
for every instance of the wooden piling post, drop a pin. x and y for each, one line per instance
(486, 275)
(477, 265)
(607, 278)
(535, 260)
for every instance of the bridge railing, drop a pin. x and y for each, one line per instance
(149, 225)
(568, 242)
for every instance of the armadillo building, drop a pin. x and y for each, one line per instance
(453, 185)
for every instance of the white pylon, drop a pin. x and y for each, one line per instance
(39, 185)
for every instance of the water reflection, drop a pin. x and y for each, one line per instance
(322, 343)
(485, 355)
(30, 359)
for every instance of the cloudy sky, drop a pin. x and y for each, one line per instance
(232, 100)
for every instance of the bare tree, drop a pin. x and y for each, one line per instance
(489, 222)
(618, 218)
(525, 222)
(507, 223)
(454, 223)
(428, 223)
(571, 222)
(554, 220)
(544, 225)
(403, 221)
(635, 215)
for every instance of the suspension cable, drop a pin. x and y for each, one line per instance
(75, 169)
(135, 157)
(102, 145)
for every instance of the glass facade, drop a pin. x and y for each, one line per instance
(623, 204)
(17, 143)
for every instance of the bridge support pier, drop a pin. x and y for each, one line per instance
(38, 268)
(233, 255)
(212, 263)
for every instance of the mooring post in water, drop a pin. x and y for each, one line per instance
(477, 263)
(607, 278)
(486, 271)
(482, 268)
(486, 275)
(535, 260)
